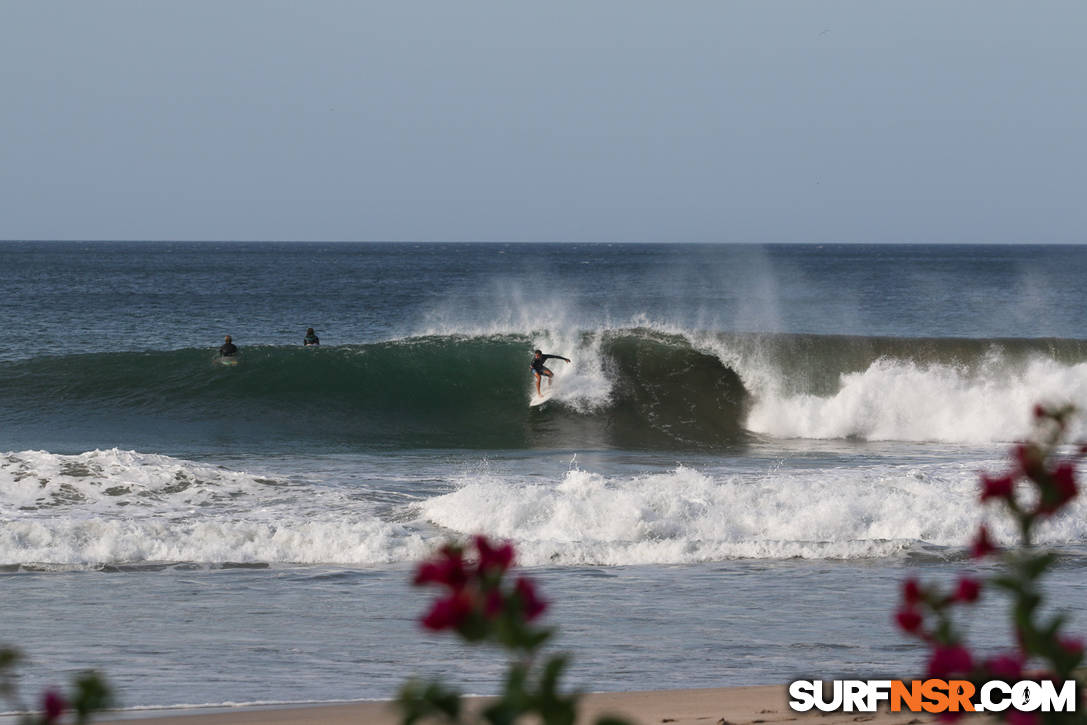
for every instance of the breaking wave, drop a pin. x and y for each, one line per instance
(634, 388)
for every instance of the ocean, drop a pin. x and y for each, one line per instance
(750, 448)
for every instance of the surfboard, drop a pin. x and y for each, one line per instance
(227, 361)
(541, 399)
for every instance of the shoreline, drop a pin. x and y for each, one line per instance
(752, 705)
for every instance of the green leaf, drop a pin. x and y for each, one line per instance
(92, 695)
(553, 670)
(502, 713)
(1034, 566)
(611, 720)
(418, 701)
(1007, 583)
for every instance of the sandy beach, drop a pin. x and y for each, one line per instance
(717, 706)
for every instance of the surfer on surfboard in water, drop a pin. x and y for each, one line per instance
(228, 348)
(537, 366)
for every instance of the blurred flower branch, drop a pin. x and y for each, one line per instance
(479, 602)
(89, 694)
(1038, 485)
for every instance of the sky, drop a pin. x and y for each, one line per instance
(612, 121)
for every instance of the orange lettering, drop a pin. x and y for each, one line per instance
(910, 695)
(960, 692)
(935, 692)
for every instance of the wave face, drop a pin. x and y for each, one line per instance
(624, 390)
(630, 388)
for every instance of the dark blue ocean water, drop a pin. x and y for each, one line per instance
(740, 427)
(70, 297)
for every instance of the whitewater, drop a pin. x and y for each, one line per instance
(744, 437)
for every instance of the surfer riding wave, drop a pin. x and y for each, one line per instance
(538, 368)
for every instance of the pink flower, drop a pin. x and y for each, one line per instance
(1000, 487)
(1005, 667)
(983, 545)
(53, 705)
(1064, 480)
(1025, 456)
(1059, 489)
(968, 590)
(908, 619)
(494, 603)
(911, 591)
(498, 558)
(1015, 717)
(950, 660)
(447, 568)
(1071, 645)
(449, 613)
(531, 604)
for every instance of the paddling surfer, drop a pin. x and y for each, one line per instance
(228, 348)
(538, 368)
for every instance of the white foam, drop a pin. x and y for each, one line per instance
(583, 383)
(70, 511)
(123, 507)
(686, 516)
(904, 401)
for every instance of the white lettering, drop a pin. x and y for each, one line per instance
(854, 696)
(802, 693)
(1064, 701)
(835, 701)
(878, 690)
(1026, 696)
(988, 703)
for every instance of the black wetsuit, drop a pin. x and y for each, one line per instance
(538, 363)
(228, 349)
(311, 340)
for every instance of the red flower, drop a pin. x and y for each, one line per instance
(908, 619)
(449, 613)
(1071, 645)
(911, 591)
(447, 568)
(53, 705)
(1015, 717)
(1029, 459)
(968, 590)
(983, 545)
(1005, 667)
(492, 607)
(1000, 487)
(950, 660)
(1064, 485)
(531, 604)
(500, 558)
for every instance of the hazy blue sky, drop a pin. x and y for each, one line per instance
(586, 121)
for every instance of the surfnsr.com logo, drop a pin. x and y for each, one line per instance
(932, 696)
